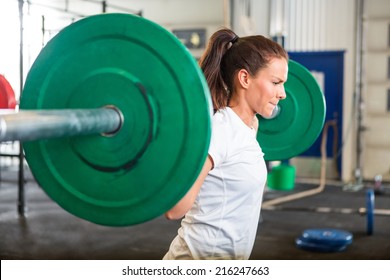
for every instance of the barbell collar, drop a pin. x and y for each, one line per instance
(31, 125)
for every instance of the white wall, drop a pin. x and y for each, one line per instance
(249, 17)
(9, 43)
(209, 14)
(376, 84)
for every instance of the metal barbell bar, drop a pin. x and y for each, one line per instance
(30, 125)
(362, 211)
(369, 211)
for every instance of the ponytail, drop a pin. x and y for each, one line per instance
(210, 63)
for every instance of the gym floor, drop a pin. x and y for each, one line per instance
(48, 232)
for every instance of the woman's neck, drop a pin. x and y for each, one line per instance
(245, 114)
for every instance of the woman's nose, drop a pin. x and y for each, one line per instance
(281, 94)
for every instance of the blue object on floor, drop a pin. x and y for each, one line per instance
(324, 240)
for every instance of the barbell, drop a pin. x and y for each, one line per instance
(115, 119)
(369, 211)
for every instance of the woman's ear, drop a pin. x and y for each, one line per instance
(243, 78)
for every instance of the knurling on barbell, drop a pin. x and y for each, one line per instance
(130, 64)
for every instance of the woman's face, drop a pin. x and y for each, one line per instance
(267, 87)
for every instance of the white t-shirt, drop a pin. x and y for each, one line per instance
(223, 221)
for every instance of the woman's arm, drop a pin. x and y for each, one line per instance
(185, 204)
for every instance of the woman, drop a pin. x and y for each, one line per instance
(246, 77)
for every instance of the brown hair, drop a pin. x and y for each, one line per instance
(226, 54)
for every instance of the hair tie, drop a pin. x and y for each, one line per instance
(234, 39)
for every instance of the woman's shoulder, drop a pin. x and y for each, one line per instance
(221, 116)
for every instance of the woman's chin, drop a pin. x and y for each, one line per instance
(266, 115)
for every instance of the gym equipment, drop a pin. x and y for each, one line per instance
(7, 94)
(324, 240)
(370, 205)
(281, 177)
(115, 119)
(369, 211)
(379, 189)
(297, 120)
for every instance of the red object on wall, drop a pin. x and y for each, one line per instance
(7, 94)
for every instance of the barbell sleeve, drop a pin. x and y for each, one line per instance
(30, 125)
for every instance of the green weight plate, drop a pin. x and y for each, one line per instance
(300, 119)
(139, 67)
